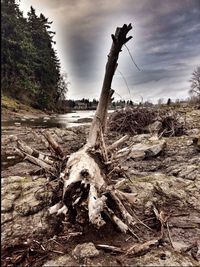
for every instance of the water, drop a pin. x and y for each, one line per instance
(14, 126)
(59, 120)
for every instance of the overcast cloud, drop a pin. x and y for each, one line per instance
(165, 44)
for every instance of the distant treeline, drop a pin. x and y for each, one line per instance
(85, 103)
(30, 67)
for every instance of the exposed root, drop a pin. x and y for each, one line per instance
(95, 207)
(121, 225)
(125, 214)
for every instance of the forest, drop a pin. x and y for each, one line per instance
(31, 71)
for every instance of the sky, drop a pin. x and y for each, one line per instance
(165, 45)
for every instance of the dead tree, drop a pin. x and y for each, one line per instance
(86, 182)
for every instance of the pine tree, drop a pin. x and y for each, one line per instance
(30, 66)
(17, 52)
(46, 65)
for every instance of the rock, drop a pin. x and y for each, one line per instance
(17, 124)
(155, 127)
(138, 173)
(193, 131)
(24, 209)
(163, 257)
(65, 135)
(7, 205)
(8, 202)
(85, 250)
(196, 142)
(190, 171)
(175, 196)
(124, 168)
(162, 188)
(146, 150)
(65, 260)
(137, 155)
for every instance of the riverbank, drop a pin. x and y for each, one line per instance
(15, 110)
(12, 108)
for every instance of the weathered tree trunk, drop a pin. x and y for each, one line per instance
(84, 175)
(81, 165)
(99, 121)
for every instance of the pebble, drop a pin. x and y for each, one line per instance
(17, 123)
(85, 250)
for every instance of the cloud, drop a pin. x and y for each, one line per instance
(165, 44)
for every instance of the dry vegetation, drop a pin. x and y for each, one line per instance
(137, 120)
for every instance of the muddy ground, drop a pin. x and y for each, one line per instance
(169, 181)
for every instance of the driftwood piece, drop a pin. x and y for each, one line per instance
(24, 148)
(118, 143)
(35, 157)
(40, 163)
(81, 166)
(58, 150)
(139, 249)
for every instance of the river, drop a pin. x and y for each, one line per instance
(18, 126)
(50, 121)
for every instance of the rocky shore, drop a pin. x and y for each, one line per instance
(162, 172)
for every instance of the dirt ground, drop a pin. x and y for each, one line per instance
(170, 181)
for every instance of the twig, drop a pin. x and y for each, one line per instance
(141, 222)
(132, 57)
(39, 244)
(52, 239)
(169, 235)
(125, 83)
(110, 248)
(56, 251)
(128, 238)
(131, 231)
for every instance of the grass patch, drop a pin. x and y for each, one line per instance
(11, 104)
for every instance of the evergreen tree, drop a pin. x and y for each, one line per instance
(46, 65)
(17, 50)
(30, 66)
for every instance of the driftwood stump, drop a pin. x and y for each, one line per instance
(85, 180)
